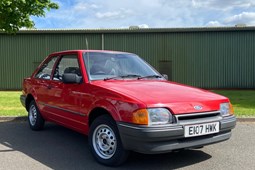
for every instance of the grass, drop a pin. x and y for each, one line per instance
(243, 102)
(10, 104)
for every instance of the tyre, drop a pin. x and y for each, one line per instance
(35, 120)
(105, 143)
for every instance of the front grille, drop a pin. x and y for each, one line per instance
(198, 117)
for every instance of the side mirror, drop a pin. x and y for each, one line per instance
(71, 78)
(165, 76)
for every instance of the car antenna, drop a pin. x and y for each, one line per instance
(87, 44)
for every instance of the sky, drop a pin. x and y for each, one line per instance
(90, 14)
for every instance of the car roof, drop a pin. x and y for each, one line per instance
(99, 51)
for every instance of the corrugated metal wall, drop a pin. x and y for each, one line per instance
(207, 59)
(202, 59)
(22, 53)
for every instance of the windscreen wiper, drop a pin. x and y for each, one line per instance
(123, 76)
(149, 76)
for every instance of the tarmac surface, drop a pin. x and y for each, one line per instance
(59, 148)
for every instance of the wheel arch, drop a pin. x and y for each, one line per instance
(28, 100)
(96, 112)
(102, 107)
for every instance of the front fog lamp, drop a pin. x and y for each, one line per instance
(226, 109)
(159, 116)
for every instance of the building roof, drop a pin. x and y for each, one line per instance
(138, 30)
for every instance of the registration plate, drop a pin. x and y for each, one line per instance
(201, 129)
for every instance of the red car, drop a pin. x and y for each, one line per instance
(123, 105)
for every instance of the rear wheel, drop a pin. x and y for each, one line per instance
(105, 143)
(35, 120)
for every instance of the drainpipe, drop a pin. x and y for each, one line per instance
(102, 41)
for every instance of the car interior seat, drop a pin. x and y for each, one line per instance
(74, 70)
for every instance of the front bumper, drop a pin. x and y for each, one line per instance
(167, 138)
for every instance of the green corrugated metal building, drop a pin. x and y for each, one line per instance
(203, 57)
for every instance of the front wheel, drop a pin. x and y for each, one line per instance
(35, 120)
(105, 143)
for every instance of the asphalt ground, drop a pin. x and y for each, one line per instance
(59, 148)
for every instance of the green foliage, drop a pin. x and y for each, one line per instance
(15, 14)
(10, 104)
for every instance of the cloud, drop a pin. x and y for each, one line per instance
(223, 4)
(94, 6)
(213, 24)
(122, 13)
(82, 6)
(143, 26)
(107, 14)
(147, 13)
(247, 18)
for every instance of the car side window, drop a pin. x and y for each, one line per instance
(67, 64)
(46, 69)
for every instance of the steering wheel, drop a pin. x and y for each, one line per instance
(44, 76)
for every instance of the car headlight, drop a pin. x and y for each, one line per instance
(152, 116)
(226, 109)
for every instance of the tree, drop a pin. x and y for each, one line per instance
(15, 14)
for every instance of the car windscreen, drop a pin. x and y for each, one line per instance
(104, 65)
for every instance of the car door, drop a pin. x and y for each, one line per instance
(42, 85)
(68, 98)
